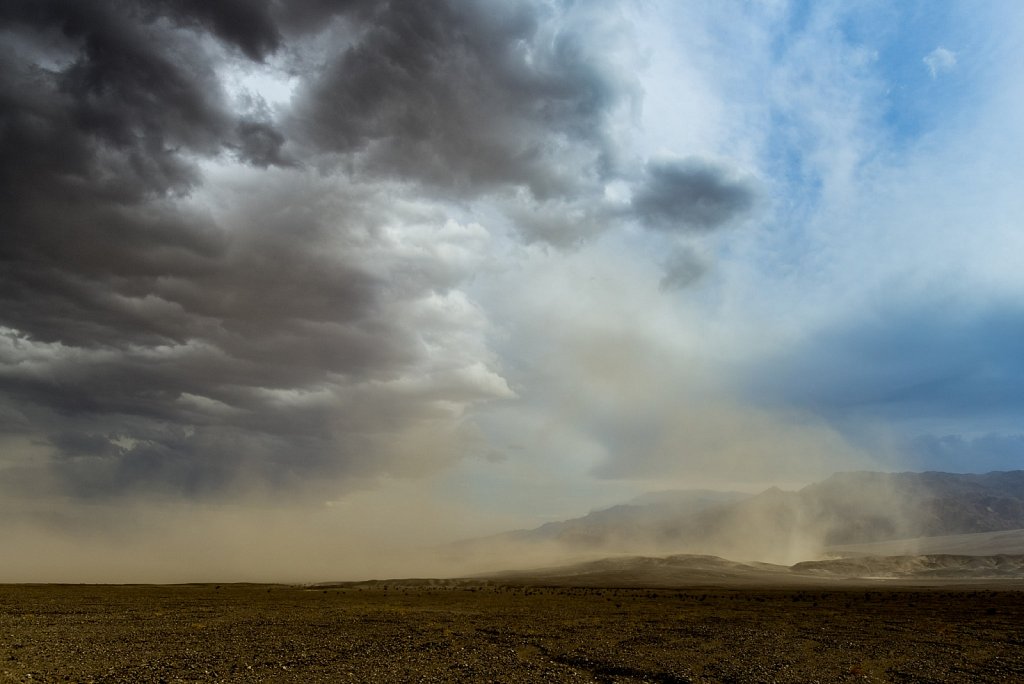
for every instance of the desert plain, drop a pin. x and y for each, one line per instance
(493, 631)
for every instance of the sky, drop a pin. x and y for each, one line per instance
(414, 271)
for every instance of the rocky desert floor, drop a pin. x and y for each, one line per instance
(484, 632)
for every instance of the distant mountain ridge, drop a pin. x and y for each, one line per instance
(789, 526)
(695, 570)
(924, 504)
(645, 515)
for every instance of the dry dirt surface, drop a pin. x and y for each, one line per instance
(485, 632)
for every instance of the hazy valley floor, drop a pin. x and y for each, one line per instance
(469, 632)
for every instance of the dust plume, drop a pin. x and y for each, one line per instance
(386, 532)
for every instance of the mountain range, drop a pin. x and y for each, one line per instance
(683, 570)
(777, 526)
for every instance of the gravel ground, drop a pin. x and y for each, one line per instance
(499, 633)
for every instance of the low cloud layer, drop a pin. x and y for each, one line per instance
(910, 373)
(908, 360)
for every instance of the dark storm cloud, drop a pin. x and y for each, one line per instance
(104, 107)
(690, 196)
(131, 82)
(299, 17)
(248, 24)
(229, 363)
(157, 332)
(260, 143)
(467, 96)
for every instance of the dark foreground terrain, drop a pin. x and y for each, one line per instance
(483, 632)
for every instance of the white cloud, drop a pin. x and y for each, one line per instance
(939, 60)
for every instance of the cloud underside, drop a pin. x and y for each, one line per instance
(200, 287)
(302, 319)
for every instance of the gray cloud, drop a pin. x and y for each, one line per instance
(257, 360)
(260, 144)
(684, 268)
(557, 222)
(158, 332)
(467, 96)
(248, 24)
(200, 290)
(690, 196)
